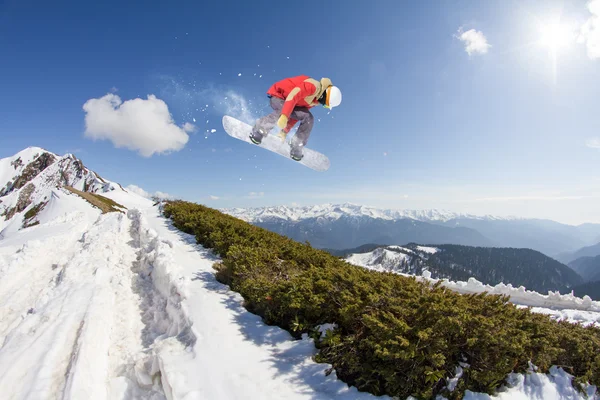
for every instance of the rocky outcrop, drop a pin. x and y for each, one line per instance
(22, 203)
(30, 177)
(32, 170)
(17, 163)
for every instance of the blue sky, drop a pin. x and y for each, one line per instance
(508, 129)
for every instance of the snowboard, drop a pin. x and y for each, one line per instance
(240, 130)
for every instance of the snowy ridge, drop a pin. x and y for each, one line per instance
(30, 177)
(336, 211)
(522, 296)
(11, 166)
(230, 353)
(397, 259)
(166, 320)
(83, 303)
(382, 259)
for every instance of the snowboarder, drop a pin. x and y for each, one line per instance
(291, 99)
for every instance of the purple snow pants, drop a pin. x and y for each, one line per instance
(301, 114)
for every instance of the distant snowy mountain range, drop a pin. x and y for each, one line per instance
(336, 211)
(342, 226)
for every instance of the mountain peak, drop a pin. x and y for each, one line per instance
(28, 178)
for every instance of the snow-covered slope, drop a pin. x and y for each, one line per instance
(381, 259)
(124, 306)
(395, 259)
(28, 179)
(335, 211)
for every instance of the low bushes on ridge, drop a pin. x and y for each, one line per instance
(394, 335)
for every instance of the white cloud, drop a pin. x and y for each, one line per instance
(163, 195)
(474, 41)
(594, 143)
(138, 190)
(530, 198)
(590, 31)
(255, 195)
(214, 197)
(141, 192)
(142, 125)
(74, 151)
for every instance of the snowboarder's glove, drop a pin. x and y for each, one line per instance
(282, 135)
(282, 121)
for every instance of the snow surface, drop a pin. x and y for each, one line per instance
(381, 259)
(430, 250)
(7, 170)
(125, 306)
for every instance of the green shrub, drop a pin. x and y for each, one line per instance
(33, 211)
(394, 335)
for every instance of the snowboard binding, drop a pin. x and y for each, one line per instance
(257, 135)
(296, 153)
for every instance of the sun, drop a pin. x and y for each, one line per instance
(554, 36)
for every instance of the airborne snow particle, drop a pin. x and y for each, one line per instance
(194, 119)
(213, 130)
(240, 74)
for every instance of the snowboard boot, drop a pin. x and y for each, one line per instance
(257, 136)
(296, 152)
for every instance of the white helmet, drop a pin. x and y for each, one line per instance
(333, 97)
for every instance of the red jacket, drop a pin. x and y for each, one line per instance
(300, 91)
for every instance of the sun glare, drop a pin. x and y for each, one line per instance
(554, 36)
